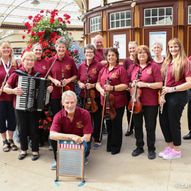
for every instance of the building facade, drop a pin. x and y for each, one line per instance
(144, 21)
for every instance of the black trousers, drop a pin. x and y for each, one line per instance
(55, 105)
(54, 147)
(96, 119)
(28, 126)
(114, 130)
(189, 110)
(170, 117)
(149, 113)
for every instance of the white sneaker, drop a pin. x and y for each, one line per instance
(166, 151)
(173, 155)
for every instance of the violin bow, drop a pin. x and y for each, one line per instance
(102, 117)
(133, 105)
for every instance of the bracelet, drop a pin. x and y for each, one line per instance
(113, 88)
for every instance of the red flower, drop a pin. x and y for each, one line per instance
(66, 16)
(23, 37)
(30, 17)
(42, 11)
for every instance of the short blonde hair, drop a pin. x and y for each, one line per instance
(29, 54)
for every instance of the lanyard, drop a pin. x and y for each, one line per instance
(7, 66)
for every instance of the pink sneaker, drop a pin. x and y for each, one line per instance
(166, 151)
(173, 155)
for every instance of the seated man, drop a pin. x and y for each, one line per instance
(71, 123)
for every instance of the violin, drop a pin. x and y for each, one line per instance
(110, 112)
(135, 105)
(64, 86)
(90, 103)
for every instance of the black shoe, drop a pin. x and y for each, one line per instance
(22, 156)
(129, 133)
(137, 151)
(151, 155)
(188, 136)
(35, 157)
(115, 152)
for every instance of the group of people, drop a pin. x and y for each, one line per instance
(158, 85)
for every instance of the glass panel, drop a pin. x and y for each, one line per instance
(190, 10)
(117, 16)
(122, 15)
(117, 24)
(128, 23)
(154, 20)
(147, 21)
(190, 19)
(168, 11)
(147, 13)
(112, 17)
(161, 12)
(112, 25)
(161, 20)
(123, 23)
(154, 12)
(128, 14)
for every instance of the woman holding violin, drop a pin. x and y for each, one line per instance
(147, 78)
(63, 74)
(112, 83)
(90, 97)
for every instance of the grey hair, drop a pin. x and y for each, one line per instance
(160, 44)
(35, 45)
(61, 40)
(91, 47)
(69, 93)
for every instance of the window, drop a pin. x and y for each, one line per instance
(120, 19)
(17, 53)
(95, 24)
(158, 16)
(189, 14)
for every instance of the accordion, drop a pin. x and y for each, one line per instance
(35, 95)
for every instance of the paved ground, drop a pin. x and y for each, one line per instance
(104, 172)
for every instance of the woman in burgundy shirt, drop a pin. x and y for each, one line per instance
(176, 72)
(87, 79)
(27, 120)
(129, 64)
(157, 49)
(113, 79)
(7, 113)
(63, 74)
(146, 74)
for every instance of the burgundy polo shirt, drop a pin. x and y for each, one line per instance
(150, 74)
(90, 71)
(41, 66)
(117, 75)
(80, 125)
(128, 65)
(65, 66)
(171, 82)
(4, 96)
(99, 55)
(13, 80)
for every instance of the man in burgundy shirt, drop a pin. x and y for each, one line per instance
(71, 123)
(99, 55)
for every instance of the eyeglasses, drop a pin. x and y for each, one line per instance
(89, 52)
